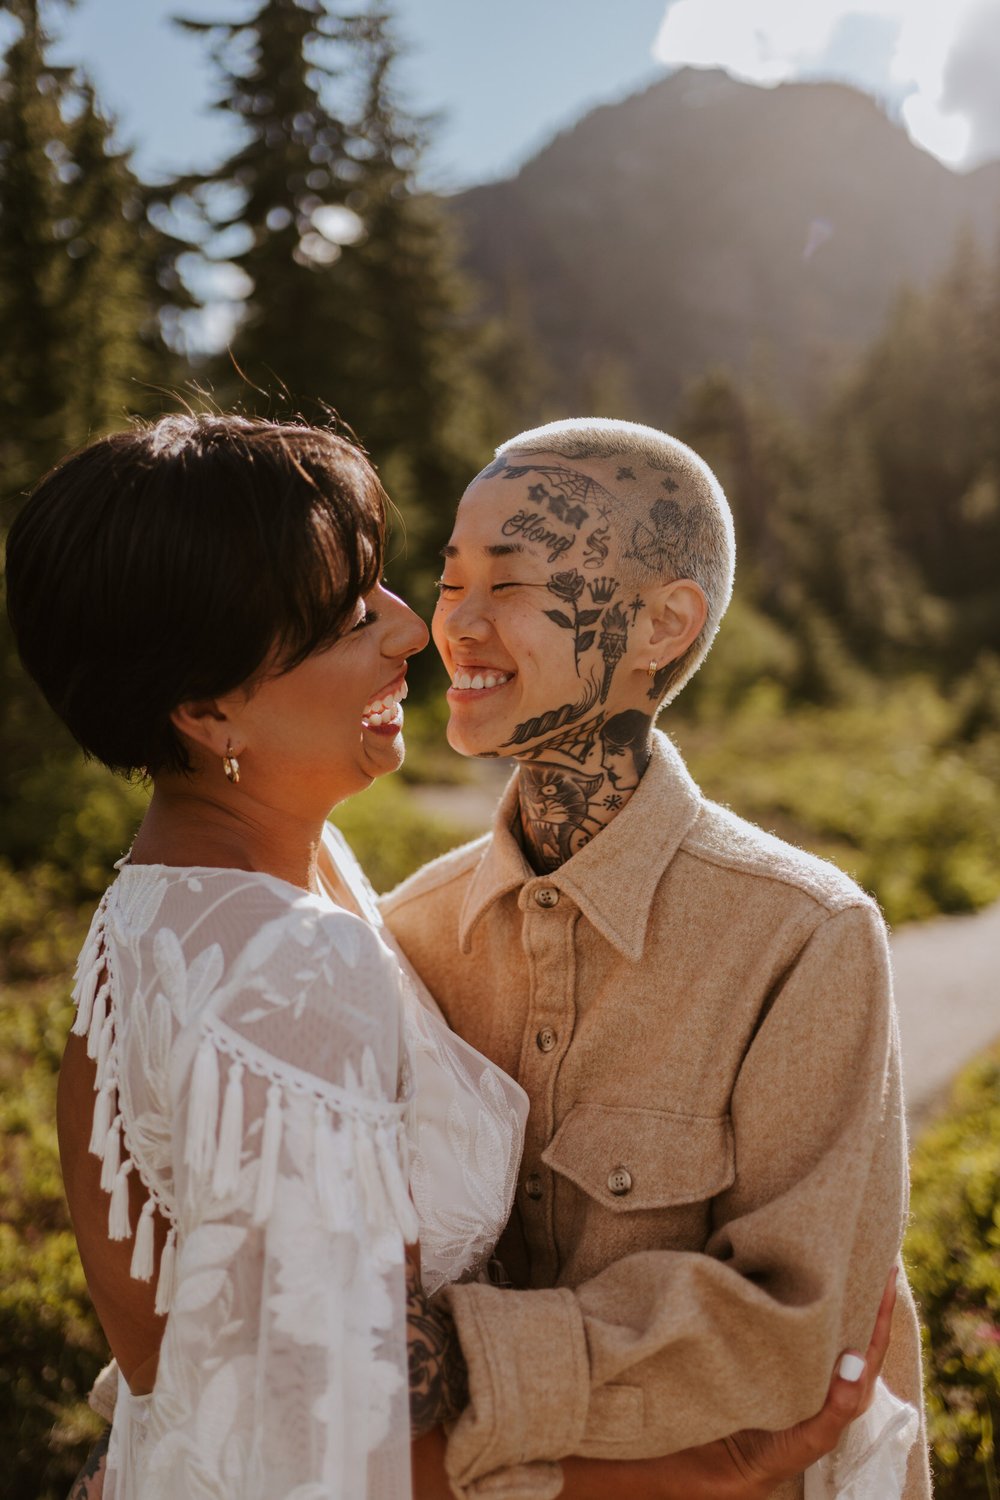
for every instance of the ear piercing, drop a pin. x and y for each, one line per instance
(231, 765)
(652, 669)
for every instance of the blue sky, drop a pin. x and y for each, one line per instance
(506, 76)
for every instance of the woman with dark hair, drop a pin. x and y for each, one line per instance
(257, 1107)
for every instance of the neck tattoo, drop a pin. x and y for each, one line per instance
(574, 784)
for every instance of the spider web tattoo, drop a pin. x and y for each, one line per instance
(578, 487)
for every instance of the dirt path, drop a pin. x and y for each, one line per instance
(948, 993)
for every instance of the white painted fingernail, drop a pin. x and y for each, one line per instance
(852, 1367)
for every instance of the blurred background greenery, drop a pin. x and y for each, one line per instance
(851, 704)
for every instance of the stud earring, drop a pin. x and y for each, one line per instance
(231, 765)
(652, 669)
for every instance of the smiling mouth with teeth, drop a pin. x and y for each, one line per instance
(475, 682)
(385, 711)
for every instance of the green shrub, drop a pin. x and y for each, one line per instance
(73, 814)
(953, 1258)
(51, 1341)
(390, 834)
(887, 785)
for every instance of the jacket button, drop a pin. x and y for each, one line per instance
(619, 1182)
(546, 1039)
(546, 895)
(533, 1185)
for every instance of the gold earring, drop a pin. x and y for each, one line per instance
(652, 669)
(231, 765)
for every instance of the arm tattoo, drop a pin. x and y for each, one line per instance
(89, 1483)
(439, 1380)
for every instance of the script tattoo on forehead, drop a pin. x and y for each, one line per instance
(566, 494)
(534, 528)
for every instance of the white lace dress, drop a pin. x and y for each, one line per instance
(259, 1051)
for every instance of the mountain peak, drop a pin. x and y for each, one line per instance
(704, 217)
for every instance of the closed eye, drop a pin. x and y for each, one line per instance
(495, 588)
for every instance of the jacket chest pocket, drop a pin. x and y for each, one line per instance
(631, 1159)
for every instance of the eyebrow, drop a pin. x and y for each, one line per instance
(502, 549)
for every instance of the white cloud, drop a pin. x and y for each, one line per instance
(941, 65)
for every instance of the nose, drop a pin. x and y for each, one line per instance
(405, 632)
(463, 620)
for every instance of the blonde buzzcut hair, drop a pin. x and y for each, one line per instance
(703, 548)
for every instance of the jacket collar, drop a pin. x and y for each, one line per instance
(613, 878)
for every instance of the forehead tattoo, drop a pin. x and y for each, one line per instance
(575, 486)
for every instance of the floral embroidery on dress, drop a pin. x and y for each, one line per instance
(257, 1048)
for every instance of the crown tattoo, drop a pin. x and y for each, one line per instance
(603, 590)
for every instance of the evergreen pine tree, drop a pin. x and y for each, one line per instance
(78, 332)
(33, 155)
(417, 385)
(355, 302)
(291, 164)
(926, 397)
(109, 298)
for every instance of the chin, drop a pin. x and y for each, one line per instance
(395, 754)
(469, 742)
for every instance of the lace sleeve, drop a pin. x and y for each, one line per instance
(282, 1370)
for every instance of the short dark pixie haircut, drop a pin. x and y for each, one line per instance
(176, 561)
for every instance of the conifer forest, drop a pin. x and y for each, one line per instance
(852, 700)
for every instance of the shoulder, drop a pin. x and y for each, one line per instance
(442, 878)
(720, 839)
(233, 924)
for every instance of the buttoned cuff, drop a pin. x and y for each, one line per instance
(529, 1389)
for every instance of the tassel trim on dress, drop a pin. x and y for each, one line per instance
(360, 1162)
(95, 1020)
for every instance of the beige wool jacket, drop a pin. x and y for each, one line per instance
(714, 1182)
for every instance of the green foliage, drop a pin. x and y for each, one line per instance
(390, 835)
(353, 296)
(953, 1258)
(78, 298)
(888, 784)
(868, 534)
(52, 1343)
(78, 333)
(925, 402)
(876, 523)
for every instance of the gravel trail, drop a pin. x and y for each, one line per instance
(947, 974)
